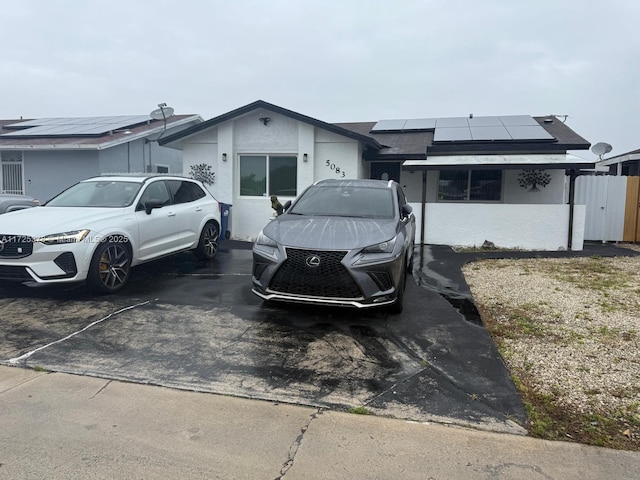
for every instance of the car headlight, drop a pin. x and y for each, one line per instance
(64, 237)
(266, 241)
(382, 247)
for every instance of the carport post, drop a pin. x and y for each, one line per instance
(572, 195)
(423, 216)
(424, 205)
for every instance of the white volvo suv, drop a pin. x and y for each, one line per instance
(96, 230)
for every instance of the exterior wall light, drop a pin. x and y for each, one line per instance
(305, 158)
(224, 157)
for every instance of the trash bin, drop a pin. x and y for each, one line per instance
(225, 221)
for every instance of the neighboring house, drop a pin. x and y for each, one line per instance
(500, 179)
(627, 164)
(613, 199)
(41, 157)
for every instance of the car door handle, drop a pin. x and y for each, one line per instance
(171, 214)
(198, 209)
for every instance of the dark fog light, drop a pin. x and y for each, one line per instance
(67, 263)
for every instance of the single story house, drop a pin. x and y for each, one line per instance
(469, 179)
(626, 164)
(41, 157)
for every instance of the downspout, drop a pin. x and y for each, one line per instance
(423, 217)
(572, 195)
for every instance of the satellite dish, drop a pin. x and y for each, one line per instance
(161, 113)
(601, 148)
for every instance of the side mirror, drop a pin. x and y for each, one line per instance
(286, 205)
(406, 210)
(151, 204)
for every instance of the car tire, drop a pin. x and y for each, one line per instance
(110, 267)
(209, 241)
(396, 307)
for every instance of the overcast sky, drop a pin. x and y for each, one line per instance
(334, 60)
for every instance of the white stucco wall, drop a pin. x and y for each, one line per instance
(282, 135)
(552, 193)
(336, 157)
(525, 226)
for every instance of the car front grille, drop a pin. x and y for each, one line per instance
(15, 246)
(14, 273)
(315, 273)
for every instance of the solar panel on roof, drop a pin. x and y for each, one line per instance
(517, 120)
(490, 133)
(452, 134)
(388, 125)
(464, 129)
(75, 126)
(46, 130)
(420, 124)
(452, 122)
(484, 122)
(529, 132)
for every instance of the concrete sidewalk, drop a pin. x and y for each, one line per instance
(59, 426)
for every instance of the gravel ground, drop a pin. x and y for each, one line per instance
(570, 324)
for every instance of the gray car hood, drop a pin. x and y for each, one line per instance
(343, 233)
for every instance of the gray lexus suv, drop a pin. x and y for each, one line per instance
(342, 243)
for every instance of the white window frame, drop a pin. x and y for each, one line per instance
(267, 157)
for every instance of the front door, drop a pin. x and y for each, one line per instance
(385, 171)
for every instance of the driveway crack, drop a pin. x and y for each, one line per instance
(101, 389)
(293, 449)
(23, 358)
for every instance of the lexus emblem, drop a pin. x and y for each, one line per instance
(312, 261)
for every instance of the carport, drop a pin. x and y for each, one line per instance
(540, 221)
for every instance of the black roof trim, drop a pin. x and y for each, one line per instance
(369, 141)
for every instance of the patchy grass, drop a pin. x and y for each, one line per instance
(359, 411)
(568, 330)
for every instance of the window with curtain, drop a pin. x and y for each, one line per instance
(470, 185)
(265, 175)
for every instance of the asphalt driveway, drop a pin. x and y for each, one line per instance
(194, 326)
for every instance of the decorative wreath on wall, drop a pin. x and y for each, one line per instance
(202, 172)
(531, 179)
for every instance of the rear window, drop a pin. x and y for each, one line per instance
(348, 201)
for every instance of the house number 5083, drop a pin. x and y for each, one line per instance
(335, 168)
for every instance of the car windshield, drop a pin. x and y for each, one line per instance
(348, 201)
(97, 194)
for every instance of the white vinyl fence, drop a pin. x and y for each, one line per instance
(604, 197)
